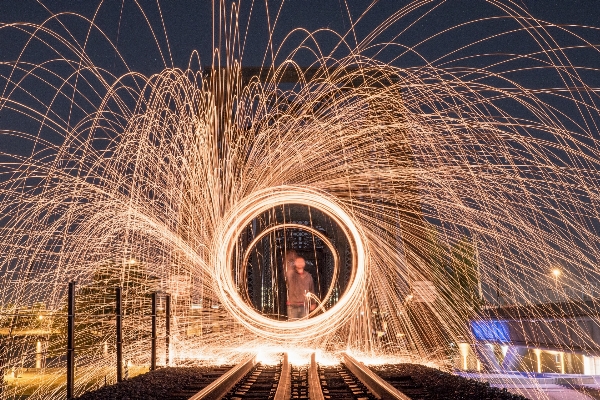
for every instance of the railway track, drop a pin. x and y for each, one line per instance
(191, 388)
(250, 380)
(226, 382)
(381, 388)
(253, 381)
(299, 382)
(337, 382)
(259, 384)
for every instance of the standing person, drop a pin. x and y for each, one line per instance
(290, 259)
(288, 269)
(300, 283)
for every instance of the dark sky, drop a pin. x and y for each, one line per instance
(147, 46)
(189, 24)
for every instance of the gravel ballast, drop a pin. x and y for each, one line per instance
(424, 383)
(176, 383)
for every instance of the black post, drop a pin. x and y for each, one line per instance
(119, 336)
(153, 340)
(3, 356)
(10, 344)
(167, 329)
(71, 341)
(2, 346)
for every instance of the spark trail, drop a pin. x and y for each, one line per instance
(451, 169)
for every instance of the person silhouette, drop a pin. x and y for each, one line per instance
(300, 283)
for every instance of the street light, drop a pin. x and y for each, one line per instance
(556, 272)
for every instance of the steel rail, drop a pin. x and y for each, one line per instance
(315, 392)
(378, 386)
(225, 382)
(284, 387)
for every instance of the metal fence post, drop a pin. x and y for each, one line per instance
(119, 335)
(153, 339)
(1, 368)
(71, 340)
(168, 329)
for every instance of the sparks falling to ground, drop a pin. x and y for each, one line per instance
(458, 179)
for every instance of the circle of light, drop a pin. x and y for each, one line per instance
(225, 243)
(336, 261)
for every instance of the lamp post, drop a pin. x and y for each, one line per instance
(556, 273)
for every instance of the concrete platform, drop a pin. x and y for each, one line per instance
(539, 386)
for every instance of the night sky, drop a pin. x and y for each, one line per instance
(433, 31)
(189, 25)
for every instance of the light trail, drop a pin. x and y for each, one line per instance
(458, 185)
(287, 331)
(315, 233)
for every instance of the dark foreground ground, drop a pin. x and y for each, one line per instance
(163, 384)
(423, 383)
